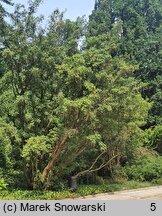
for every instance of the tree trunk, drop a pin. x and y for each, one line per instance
(73, 183)
(55, 154)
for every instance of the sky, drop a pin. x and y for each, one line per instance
(74, 8)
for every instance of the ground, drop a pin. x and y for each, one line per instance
(151, 193)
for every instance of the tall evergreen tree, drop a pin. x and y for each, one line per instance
(140, 41)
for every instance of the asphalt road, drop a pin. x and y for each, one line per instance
(150, 193)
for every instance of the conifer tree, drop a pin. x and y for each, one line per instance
(140, 41)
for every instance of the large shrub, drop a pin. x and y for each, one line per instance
(145, 168)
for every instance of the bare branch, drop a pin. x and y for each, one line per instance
(90, 170)
(103, 165)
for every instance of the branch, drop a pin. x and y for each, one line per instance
(90, 170)
(103, 165)
(96, 160)
(56, 152)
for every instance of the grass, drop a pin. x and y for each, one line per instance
(83, 190)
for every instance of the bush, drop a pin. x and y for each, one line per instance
(156, 138)
(145, 169)
(14, 179)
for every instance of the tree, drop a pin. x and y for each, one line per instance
(140, 41)
(3, 13)
(3, 29)
(73, 110)
(33, 82)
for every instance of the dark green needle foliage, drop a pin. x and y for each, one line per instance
(75, 95)
(140, 43)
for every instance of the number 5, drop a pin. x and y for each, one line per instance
(153, 207)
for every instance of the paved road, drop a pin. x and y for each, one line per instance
(151, 193)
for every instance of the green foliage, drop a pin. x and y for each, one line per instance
(35, 146)
(145, 169)
(8, 137)
(3, 185)
(154, 138)
(13, 178)
(139, 40)
(82, 191)
(35, 195)
(69, 109)
(111, 187)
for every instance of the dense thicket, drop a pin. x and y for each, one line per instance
(75, 97)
